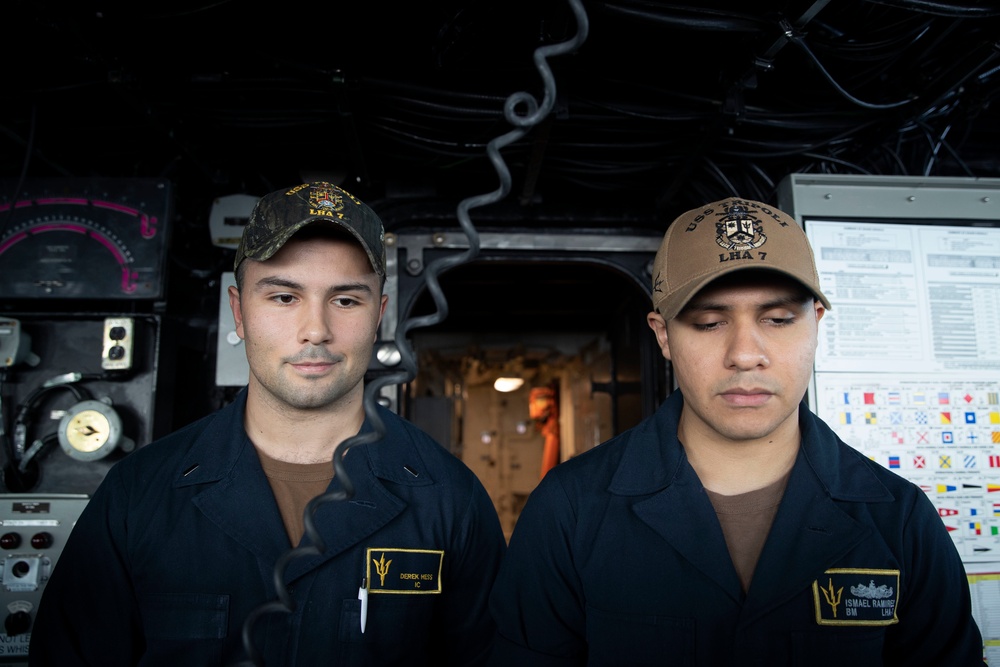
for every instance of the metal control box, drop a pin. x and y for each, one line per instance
(33, 531)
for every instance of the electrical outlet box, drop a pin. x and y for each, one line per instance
(118, 343)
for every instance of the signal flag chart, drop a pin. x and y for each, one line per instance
(907, 364)
(908, 361)
(943, 436)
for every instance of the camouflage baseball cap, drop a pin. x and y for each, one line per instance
(723, 237)
(277, 216)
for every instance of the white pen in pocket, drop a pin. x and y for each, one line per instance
(363, 596)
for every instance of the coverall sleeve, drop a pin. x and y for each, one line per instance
(88, 614)
(538, 600)
(467, 628)
(936, 627)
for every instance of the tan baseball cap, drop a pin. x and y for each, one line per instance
(723, 237)
(279, 215)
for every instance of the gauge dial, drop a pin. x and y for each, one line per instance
(76, 239)
(90, 430)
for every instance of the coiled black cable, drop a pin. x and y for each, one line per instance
(522, 111)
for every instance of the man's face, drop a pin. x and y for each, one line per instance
(309, 316)
(742, 353)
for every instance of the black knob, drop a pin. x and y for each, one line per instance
(10, 541)
(17, 623)
(41, 540)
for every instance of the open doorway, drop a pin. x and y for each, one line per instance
(573, 331)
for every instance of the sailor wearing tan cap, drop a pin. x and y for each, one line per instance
(733, 527)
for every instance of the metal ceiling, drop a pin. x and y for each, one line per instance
(656, 107)
(661, 105)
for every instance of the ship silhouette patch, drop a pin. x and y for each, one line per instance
(846, 596)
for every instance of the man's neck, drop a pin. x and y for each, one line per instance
(300, 436)
(732, 467)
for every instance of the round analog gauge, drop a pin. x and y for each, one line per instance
(90, 430)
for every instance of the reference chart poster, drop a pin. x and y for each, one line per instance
(908, 364)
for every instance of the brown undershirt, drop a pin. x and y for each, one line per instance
(294, 485)
(746, 520)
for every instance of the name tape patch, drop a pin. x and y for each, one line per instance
(845, 596)
(404, 571)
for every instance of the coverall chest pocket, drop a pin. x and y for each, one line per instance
(617, 639)
(184, 627)
(854, 646)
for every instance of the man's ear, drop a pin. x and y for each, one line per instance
(820, 310)
(234, 305)
(381, 314)
(659, 327)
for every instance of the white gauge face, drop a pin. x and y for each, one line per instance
(90, 430)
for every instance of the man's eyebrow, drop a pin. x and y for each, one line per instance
(352, 287)
(278, 281)
(703, 306)
(790, 300)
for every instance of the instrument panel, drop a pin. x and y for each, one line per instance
(84, 239)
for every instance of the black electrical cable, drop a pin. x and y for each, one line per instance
(799, 42)
(896, 160)
(831, 159)
(410, 114)
(35, 397)
(35, 452)
(731, 189)
(704, 19)
(941, 8)
(935, 149)
(17, 477)
(938, 142)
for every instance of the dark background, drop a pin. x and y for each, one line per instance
(657, 108)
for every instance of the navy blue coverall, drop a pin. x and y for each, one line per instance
(178, 546)
(618, 559)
